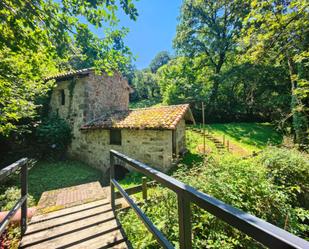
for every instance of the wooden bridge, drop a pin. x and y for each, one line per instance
(94, 224)
(91, 225)
(75, 217)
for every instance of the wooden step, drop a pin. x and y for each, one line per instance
(91, 225)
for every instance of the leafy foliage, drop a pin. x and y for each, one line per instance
(209, 29)
(10, 197)
(53, 136)
(145, 85)
(246, 60)
(290, 171)
(21, 82)
(41, 37)
(159, 60)
(277, 31)
(245, 184)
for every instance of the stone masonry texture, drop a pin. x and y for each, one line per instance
(88, 97)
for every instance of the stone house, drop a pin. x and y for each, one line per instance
(96, 106)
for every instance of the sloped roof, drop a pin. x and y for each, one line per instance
(66, 75)
(156, 118)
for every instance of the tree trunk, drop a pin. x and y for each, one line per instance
(214, 92)
(300, 121)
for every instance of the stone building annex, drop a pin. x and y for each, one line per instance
(97, 108)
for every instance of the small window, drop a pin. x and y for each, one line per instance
(62, 97)
(115, 137)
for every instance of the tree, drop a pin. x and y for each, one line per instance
(160, 59)
(209, 29)
(278, 31)
(253, 92)
(145, 84)
(41, 37)
(183, 80)
(33, 23)
(21, 82)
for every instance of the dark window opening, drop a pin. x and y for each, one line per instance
(62, 96)
(120, 172)
(115, 137)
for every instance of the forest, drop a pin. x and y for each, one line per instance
(246, 60)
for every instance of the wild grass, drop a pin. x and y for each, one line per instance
(250, 136)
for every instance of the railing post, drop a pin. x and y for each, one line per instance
(24, 192)
(184, 219)
(112, 177)
(144, 188)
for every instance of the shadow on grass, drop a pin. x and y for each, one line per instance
(54, 175)
(45, 176)
(191, 158)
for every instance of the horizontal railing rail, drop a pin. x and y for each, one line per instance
(22, 202)
(262, 231)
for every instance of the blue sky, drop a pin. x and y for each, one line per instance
(153, 31)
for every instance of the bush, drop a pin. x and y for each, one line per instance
(244, 184)
(289, 169)
(9, 198)
(53, 136)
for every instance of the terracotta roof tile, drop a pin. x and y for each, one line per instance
(163, 117)
(69, 74)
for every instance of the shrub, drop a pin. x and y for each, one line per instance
(53, 136)
(289, 169)
(9, 198)
(244, 184)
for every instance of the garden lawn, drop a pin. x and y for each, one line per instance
(250, 136)
(44, 176)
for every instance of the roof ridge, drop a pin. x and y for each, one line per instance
(70, 72)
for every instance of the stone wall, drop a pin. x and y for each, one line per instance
(88, 97)
(149, 146)
(181, 137)
(105, 93)
(73, 108)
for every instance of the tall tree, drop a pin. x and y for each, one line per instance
(159, 60)
(39, 37)
(209, 29)
(279, 31)
(145, 84)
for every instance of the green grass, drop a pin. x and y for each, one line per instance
(44, 176)
(131, 179)
(250, 136)
(54, 175)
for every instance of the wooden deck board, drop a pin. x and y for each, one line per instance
(91, 225)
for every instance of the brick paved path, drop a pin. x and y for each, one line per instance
(67, 197)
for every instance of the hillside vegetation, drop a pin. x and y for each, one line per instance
(273, 186)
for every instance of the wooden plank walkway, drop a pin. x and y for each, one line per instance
(91, 225)
(75, 217)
